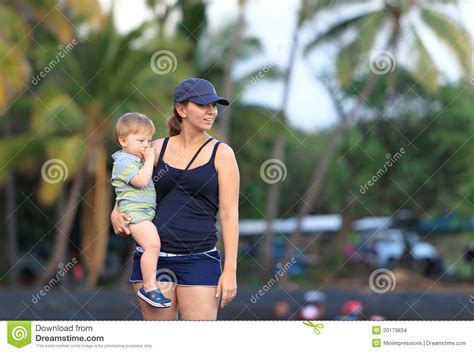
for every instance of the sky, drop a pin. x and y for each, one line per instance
(273, 21)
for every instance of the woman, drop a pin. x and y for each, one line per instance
(187, 205)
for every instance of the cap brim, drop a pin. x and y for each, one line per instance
(210, 98)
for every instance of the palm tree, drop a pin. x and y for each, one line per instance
(14, 44)
(228, 81)
(215, 56)
(106, 74)
(271, 210)
(15, 69)
(397, 18)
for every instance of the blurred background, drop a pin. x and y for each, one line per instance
(352, 123)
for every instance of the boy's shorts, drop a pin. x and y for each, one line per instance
(139, 215)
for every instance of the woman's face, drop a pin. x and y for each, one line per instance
(199, 116)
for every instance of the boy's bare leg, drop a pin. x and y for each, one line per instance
(146, 235)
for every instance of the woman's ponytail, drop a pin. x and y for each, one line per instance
(175, 124)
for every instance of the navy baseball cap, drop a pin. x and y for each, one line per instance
(197, 90)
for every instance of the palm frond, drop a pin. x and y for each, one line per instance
(455, 37)
(15, 71)
(63, 157)
(16, 151)
(261, 73)
(319, 5)
(424, 70)
(335, 31)
(357, 51)
(13, 29)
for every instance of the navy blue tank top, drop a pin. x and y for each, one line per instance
(186, 213)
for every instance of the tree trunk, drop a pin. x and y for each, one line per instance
(317, 180)
(228, 85)
(95, 225)
(340, 238)
(273, 200)
(273, 197)
(64, 227)
(11, 219)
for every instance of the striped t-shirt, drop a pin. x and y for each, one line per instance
(138, 203)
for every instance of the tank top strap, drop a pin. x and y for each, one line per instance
(163, 148)
(213, 156)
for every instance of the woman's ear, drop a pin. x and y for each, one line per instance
(181, 110)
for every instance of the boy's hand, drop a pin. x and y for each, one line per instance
(148, 153)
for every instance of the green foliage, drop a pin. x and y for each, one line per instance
(384, 28)
(194, 19)
(457, 39)
(107, 74)
(433, 175)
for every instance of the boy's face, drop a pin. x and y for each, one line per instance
(136, 143)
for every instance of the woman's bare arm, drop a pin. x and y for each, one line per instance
(229, 182)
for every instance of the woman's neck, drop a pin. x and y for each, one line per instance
(190, 139)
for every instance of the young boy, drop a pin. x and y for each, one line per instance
(132, 179)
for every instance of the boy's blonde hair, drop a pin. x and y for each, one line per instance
(133, 123)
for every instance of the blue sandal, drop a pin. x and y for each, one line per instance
(154, 298)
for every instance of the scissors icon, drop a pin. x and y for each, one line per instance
(316, 327)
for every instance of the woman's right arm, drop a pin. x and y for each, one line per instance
(118, 222)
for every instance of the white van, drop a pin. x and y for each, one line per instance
(381, 244)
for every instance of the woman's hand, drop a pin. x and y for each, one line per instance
(118, 223)
(227, 286)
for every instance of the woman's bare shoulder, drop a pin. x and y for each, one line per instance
(225, 156)
(225, 151)
(157, 143)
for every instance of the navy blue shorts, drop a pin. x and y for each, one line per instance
(203, 269)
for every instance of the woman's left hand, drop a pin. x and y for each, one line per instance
(227, 286)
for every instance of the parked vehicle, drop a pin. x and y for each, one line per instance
(382, 244)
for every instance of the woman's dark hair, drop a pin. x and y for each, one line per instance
(175, 123)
